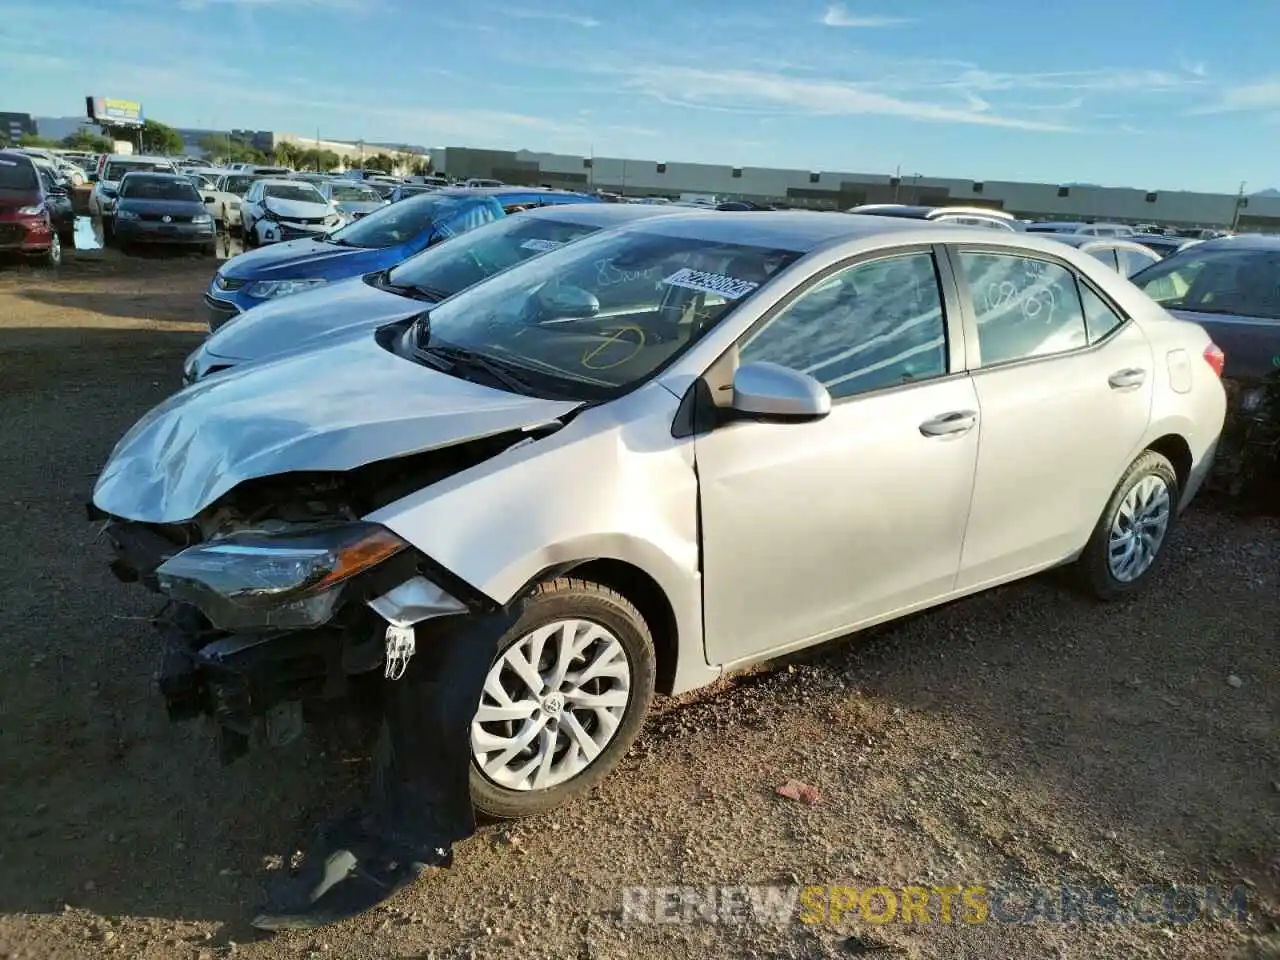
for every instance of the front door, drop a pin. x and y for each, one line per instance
(1064, 387)
(811, 529)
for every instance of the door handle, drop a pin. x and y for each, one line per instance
(1132, 377)
(950, 424)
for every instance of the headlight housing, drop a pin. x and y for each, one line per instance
(126, 215)
(31, 211)
(270, 289)
(284, 581)
(202, 218)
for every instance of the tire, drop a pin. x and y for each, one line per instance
(594, 607)
(209, 249)
(108, 231)
(68, 238)
(247, 236)
(1094, 569)
(52, 258)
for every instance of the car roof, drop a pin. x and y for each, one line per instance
(1086, 240)
(17, 155)
(506, 190)
(798, 230)
(156, 175)
(595, 214)
(139, 157)
(282, 182)
(1241, 241)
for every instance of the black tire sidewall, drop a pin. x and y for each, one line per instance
(1095, 561)
(575, 599)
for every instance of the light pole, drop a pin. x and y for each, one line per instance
(1235, 217)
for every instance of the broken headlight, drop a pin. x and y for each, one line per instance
(254, 580)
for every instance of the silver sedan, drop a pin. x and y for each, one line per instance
(664, 452)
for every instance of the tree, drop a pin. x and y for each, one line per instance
(224, 149)
(161, 139)
(423, 168)
(380, 162)
(88, 141)
(287, 154)
(32, 140)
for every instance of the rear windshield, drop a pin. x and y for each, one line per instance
(157, 188)
(290, 191)
(1242, 283)
(118, 168)
(238, 185)
(17, 174)
(400, 222)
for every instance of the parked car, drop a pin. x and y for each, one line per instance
(640, 461)
(429, 180)
(353, 200)
(278, 210)
(376, 242)
(369, 301)
(1088, 229)
(482, 182)
(227, 198)
(1231, 287)
(26, 220)
(1122, 255)
(966, 216)
(1161, 243)
(111, 168)
(62, 212)
(163, 208)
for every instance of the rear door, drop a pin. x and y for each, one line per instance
(1064, 383)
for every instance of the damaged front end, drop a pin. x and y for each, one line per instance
(283, 606)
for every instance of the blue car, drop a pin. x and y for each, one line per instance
(375, 242)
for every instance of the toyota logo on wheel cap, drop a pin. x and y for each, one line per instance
(166, 219)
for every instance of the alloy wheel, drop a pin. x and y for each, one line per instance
(552, 702)
(1139, 528)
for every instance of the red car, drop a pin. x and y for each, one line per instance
(26, 220)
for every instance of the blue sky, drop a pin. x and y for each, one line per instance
(1131, 93)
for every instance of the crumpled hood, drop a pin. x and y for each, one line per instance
(330, 409)
(296, 209)
(296, 259)
(289, 322)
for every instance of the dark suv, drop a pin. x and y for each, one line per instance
(26, 220)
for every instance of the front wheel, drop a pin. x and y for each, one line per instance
(564, 699)
(1126, 544)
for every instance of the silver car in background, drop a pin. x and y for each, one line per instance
(1125, 256)
(663, 452)
(353, 200)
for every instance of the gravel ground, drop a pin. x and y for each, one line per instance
(1026, 737)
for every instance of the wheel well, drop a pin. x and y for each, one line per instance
(649, 598)
(1178, 452)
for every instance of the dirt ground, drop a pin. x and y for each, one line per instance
(1024, 738)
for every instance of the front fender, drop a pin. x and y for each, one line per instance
(612, 484)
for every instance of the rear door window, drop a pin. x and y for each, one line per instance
(1024, 307)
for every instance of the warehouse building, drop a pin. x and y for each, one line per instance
(832, 190)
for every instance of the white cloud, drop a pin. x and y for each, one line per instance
(1262, 96)
(556, 16)
(192, 5)
(747, 92)
(838, 15)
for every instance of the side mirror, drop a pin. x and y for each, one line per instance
(770, 391)
(562, 303)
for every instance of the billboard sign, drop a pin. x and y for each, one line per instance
(115, 113)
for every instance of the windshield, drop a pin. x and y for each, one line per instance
(118, 168)
(400, 222)
(414, 191)
(302, 192)
(342, 191)
(157, 188)
(200, 181)
(1243, 283)
(17, 175)
(593, 319)
(443, 271)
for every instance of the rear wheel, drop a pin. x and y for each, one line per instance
(564, 699)
(1127, 543)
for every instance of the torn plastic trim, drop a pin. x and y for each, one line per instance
(415, 600)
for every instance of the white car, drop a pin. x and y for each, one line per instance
(102, 199)
(275, 210)
(226, 197)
